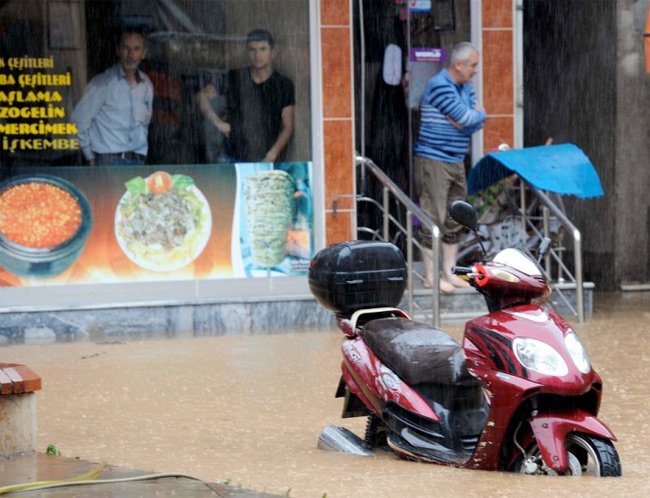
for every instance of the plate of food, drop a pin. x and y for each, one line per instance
(162, 222)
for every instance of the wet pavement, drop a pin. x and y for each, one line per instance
(111, 481)
(248, 410)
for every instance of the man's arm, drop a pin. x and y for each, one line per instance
(149, 102)
(476, 107)
(468, 130)
(283, 138)
(83, 115)
(446, 100)
(203, 98)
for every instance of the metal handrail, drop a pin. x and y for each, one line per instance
(528, 222)
(412, 210)
(577, 248)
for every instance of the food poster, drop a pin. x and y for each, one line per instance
(155, 223)
(275, 219)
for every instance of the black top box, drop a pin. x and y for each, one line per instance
(351, 276)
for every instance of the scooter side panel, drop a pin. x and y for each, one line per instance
(550, 431)
(488, 341)
(377, 383)
(348, 377)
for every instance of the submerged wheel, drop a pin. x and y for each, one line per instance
(587, 455)
(597, 456)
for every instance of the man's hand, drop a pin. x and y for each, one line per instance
(477, 107)
(454, 124)
(283, 138)
(203, 98)
(223, 127)
(91, 162)
(270, 157)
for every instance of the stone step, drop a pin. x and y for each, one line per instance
(464, 304)
(254, 314)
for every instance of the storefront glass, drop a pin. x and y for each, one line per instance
(187, 200)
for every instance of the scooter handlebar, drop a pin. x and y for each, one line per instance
(461, 270)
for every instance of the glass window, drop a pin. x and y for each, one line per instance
(180, 130)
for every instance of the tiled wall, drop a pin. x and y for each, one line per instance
(338, 115)
(498, 72)
(338, 112)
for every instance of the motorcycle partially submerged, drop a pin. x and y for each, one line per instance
(518, 395)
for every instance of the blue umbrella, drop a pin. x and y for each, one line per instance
(562, 168)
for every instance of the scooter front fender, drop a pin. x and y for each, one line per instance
(550, 431)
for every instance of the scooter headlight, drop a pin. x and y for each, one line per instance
(540, 357)
(577, 352)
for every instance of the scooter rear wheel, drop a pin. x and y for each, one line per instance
(587, 455)
(375, 433)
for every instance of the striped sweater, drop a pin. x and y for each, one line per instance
(439, 139)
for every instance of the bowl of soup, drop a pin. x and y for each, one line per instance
(44, 225)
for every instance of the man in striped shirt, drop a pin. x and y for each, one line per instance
(449, 116)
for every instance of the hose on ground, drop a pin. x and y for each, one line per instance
(87, 479)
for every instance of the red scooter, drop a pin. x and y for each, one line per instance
(518, 395)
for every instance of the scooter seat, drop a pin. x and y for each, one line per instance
(417, 352)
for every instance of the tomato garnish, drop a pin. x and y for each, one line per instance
(159, 182)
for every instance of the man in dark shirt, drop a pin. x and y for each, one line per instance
(259, 116)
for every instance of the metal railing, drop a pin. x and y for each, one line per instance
(550, 211)
(555, 252)
(390, 189)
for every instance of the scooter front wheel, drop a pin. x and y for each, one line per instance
(598, 457)
(588, 456)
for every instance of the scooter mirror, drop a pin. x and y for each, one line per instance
(465, 214)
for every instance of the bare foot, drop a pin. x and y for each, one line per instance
(455, 281)
(445, 287)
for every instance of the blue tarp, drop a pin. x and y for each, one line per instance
(563, 169)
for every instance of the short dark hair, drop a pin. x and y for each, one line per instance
(131, 31)
(260, 35)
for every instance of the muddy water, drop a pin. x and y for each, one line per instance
(250, 409)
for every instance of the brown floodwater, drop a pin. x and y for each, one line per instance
(249, 409)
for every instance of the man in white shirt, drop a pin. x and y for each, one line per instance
(114, 113)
